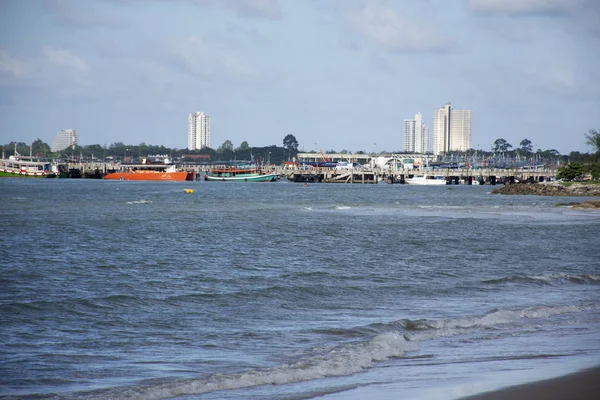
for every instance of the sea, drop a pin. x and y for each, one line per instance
(139, 290)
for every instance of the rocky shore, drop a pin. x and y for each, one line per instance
(550, 189)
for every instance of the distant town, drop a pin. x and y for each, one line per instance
(452, 143)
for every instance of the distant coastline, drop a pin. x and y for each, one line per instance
(551, 189)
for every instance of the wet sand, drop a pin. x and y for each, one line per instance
(582, 385)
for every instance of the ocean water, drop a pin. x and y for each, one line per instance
(137, 290)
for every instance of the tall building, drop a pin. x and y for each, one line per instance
(198, 131)
(409, 135)
(451, 130)
(64, 139)
(416, 135)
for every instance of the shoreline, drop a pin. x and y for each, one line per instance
(582, 385)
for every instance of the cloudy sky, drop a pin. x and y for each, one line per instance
(337, 74)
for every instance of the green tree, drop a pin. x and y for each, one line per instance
(570, 172)
(244, 146)
(41, 149)
(227, 145)
(593, 139)
(525, 148)
(501, 146)
(595, 171)
(526, 145)
(290, 142)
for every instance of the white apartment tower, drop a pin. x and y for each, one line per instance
(416, 135)
(409, 135)
(64, 139)
(451, 130)
(198, 131)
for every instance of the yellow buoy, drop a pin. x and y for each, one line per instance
(188, 190)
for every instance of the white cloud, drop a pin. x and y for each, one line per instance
(269, 9)
(396, 33)
(194, 56)
(12, 66)
(586, 12)
(65, 58)
(561, 80)
(83, 14)
(523, 6)
(577, 18)
(254, 8)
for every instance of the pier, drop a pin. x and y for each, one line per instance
(468, 176)
(491, 176)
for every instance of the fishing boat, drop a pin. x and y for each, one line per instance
(240, 173)
(427, 180)
(19, 166)
(152, 170)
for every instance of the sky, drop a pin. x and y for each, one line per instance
(336, 74)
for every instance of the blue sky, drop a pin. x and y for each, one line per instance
(337, 74)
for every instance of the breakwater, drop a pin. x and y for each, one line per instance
(551, 189)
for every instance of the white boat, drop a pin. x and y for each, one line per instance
(427, 180)
(24, 167)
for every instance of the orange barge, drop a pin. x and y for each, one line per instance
(149, 175)
(151, 170)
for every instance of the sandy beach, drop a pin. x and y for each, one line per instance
(582, 385)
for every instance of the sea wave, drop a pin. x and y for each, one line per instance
(549, 279)
(326, 362)
(426, 329)
(382, 341)
(140, 202)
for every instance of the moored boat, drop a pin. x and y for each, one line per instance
(169, 174)
(152, 171)
(19, 167)
(244, 173)
(427, 180)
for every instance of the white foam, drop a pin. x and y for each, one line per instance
(140, 202)
(452, 327)
(338, 361)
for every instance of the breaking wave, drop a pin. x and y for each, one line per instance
(140, 202)
(327, 362)
(550, 279)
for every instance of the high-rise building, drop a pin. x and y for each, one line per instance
(64, 139)
(416, 135)
(409, 135)
(451, 130)
(198, 131)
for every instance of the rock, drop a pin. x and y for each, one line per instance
(590, 204)
(551, 189)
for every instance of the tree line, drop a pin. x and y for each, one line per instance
(501, 150)
(122, 151)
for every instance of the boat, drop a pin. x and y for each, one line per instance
(427, 180)
(240, 173)
(152, 170)
(22, 167)
(170, 173)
